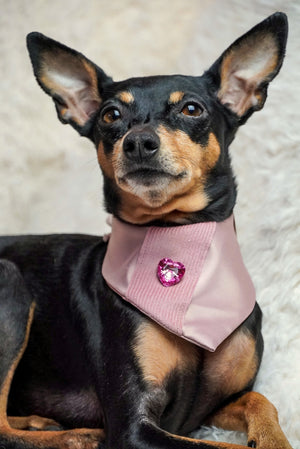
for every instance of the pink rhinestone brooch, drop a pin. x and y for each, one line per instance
(170, 273)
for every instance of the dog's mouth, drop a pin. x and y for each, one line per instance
(154, 186)
(150, 176)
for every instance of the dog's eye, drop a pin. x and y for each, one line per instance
(111, 115)
(192, 110)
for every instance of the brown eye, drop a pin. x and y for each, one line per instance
(111, 115)
(192, 110)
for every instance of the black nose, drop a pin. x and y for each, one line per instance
(141, 145)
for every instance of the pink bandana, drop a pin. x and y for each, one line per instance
(211, 292)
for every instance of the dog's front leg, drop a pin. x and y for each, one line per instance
(254, 414)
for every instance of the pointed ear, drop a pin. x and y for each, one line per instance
(74, 82)
(245, 69)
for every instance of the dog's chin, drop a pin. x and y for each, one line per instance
(153, 187)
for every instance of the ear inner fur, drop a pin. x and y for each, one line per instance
(249, 64)
(244, 69)
(67, 76)
(77, 89)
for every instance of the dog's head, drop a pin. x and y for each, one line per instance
(162, 141)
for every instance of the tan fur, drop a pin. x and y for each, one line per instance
(176, 97)
(135, 211)
(233, 365)
(159, 352)
(211, 154)
(105, 162)
(188, 154)
(25, 422)
(126, 97)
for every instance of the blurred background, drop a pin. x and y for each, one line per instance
(50, 180)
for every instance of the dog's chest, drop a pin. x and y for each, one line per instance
(159, 353)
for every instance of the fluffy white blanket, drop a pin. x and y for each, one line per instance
(49, 177)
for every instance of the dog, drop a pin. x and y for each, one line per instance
(86, 365)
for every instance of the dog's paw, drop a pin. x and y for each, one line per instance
(276, 441)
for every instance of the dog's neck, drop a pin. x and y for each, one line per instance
(190, 279)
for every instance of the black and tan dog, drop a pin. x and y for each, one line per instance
(72, 351)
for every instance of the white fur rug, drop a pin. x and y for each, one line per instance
(49, 177)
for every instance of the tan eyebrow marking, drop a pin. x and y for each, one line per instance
(176, 97)
(126, 97)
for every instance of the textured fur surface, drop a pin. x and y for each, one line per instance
(50, 181)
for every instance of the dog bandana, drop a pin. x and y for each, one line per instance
(190, 279)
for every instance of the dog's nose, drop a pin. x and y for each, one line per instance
(141, 145)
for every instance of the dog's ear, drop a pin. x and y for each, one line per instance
(74, 82)
(244, 70)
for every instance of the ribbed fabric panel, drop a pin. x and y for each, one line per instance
(186, 244)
